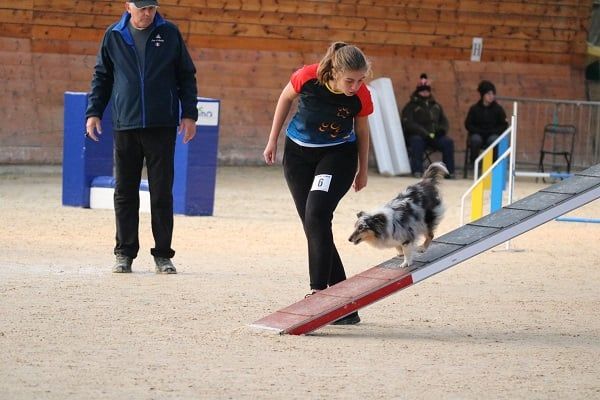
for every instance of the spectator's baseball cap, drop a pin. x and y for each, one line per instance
(145, 3)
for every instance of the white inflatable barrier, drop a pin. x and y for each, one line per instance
(384, 91)
(378, 137)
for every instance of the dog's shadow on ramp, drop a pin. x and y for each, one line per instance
(409, 333)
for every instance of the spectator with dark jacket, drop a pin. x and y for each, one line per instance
(425, 126)
(144, 66)
(485, 121)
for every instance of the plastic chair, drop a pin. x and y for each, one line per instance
(558, 140)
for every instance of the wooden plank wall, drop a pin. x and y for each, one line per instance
(246, 50)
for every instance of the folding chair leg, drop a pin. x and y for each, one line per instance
(568, 160)
(541, 166)
(541, 163)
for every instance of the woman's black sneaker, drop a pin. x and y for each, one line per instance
(350, 319)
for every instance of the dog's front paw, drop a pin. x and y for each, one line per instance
(421, 249)
(405, 264)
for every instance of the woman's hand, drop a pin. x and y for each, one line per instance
(361, 126)
(288, 94)
(270, 153)
(360, 181)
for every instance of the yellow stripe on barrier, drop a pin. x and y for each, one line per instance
(488, 160)
(477, 202)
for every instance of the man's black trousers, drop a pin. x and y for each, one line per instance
(157, 147)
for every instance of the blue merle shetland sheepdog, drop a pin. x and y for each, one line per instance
(400, 223)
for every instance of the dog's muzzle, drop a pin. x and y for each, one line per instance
(354, 238)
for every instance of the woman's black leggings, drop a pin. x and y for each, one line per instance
(318, 178)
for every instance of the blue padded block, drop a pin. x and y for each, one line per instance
(83, 159)
(203, 149)
(103, 182)
(195, 172)
(109, 182)
(197, 195)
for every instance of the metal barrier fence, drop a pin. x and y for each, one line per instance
(535, 114)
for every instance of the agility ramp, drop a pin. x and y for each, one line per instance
(446, 251)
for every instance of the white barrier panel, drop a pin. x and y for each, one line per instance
(378, 137)
(393, 127)
(102, 190)
(102, 198)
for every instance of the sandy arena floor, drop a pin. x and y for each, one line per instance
(502, 325)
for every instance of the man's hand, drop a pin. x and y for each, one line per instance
(93, 126)
(188, 127)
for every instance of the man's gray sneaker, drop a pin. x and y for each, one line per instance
(122, 264)
(164, 266)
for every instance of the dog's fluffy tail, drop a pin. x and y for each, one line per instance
(436, 171)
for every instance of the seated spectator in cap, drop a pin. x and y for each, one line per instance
(485, 121)
(425, 126)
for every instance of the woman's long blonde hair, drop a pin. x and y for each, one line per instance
(341, 57)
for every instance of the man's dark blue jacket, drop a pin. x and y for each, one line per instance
(149, 97)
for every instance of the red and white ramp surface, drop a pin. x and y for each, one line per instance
(446, 251)
(339, 300)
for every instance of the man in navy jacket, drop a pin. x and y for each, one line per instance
(144, 66)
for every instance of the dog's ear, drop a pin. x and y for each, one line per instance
(360, 214)
(378, 221)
